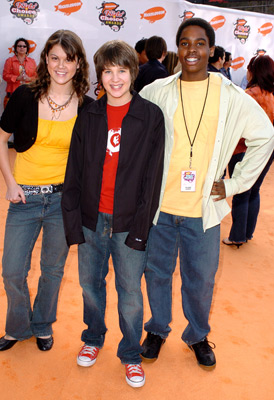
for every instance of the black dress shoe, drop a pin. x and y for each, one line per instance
(204, 354)
(151, 347)
(6, 344)
(44, 344)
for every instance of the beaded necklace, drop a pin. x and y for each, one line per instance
(56, 108)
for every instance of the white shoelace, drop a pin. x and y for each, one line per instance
(88, 350)
(135, 368)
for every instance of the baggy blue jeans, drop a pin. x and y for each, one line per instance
(129, 267)
(199, 259)
(23, 225)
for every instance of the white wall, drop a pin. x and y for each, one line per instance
(139, 22)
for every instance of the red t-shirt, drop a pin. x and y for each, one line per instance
(115, 117)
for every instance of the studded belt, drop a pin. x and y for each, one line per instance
(30, 190)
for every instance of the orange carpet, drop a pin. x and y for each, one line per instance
(242, 321)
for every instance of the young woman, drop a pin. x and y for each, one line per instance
(41, 115)
(246, 206)
(18, 69)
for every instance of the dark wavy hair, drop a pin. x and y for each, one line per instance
(262, 73)
(20, 40)
(73, 47)
(116, 52)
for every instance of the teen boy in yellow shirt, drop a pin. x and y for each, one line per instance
(205, 116)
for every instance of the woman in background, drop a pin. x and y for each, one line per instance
(18, 69)
(41, 115)
(246, 206)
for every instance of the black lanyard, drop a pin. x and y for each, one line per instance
(192, 143)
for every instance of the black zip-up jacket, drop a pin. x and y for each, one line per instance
(20, 117)
(139, 172)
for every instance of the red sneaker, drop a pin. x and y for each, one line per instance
(87, 355)
(135, 375)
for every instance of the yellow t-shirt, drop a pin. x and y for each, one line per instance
(175, 201)
(45, 162)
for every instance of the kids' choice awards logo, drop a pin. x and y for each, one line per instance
(242, 31)
(189, 176)
(26, 10)
(187, 15)
(110, 16)
(153, 14)
(69, 6)
(217, 22)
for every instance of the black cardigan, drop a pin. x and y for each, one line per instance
(20, 117)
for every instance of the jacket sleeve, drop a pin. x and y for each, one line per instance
(15, 106)
(151, 186)
(8, 75)
(259, 139)
(72, 188)
(31, 68)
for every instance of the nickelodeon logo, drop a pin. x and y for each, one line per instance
(265, 29)
(237, 63)
(217, 22)
(154, 14)
(68, 6)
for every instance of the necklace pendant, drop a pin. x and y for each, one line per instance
(56, 108)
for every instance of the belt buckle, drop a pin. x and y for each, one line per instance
(46, 189)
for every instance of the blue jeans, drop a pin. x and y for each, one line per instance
(199, 258)
(23, 225)
(129, 266)
(246, 205)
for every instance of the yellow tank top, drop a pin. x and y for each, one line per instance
(45, 162)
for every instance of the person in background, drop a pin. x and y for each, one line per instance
(244, 82)
(225, 70)
(41, 115)
(156, 50)
(141, 52)
(205, 116)
(111, 193)
(216, 61)
(246, 206)
(18, 69)
(247, 76)
(170, 62)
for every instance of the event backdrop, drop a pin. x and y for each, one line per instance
(242, 33)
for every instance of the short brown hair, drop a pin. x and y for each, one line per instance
(116, 52)
(155, 47)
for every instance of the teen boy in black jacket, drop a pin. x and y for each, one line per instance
(111, 193)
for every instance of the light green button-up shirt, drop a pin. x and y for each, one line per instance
(239, 116)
